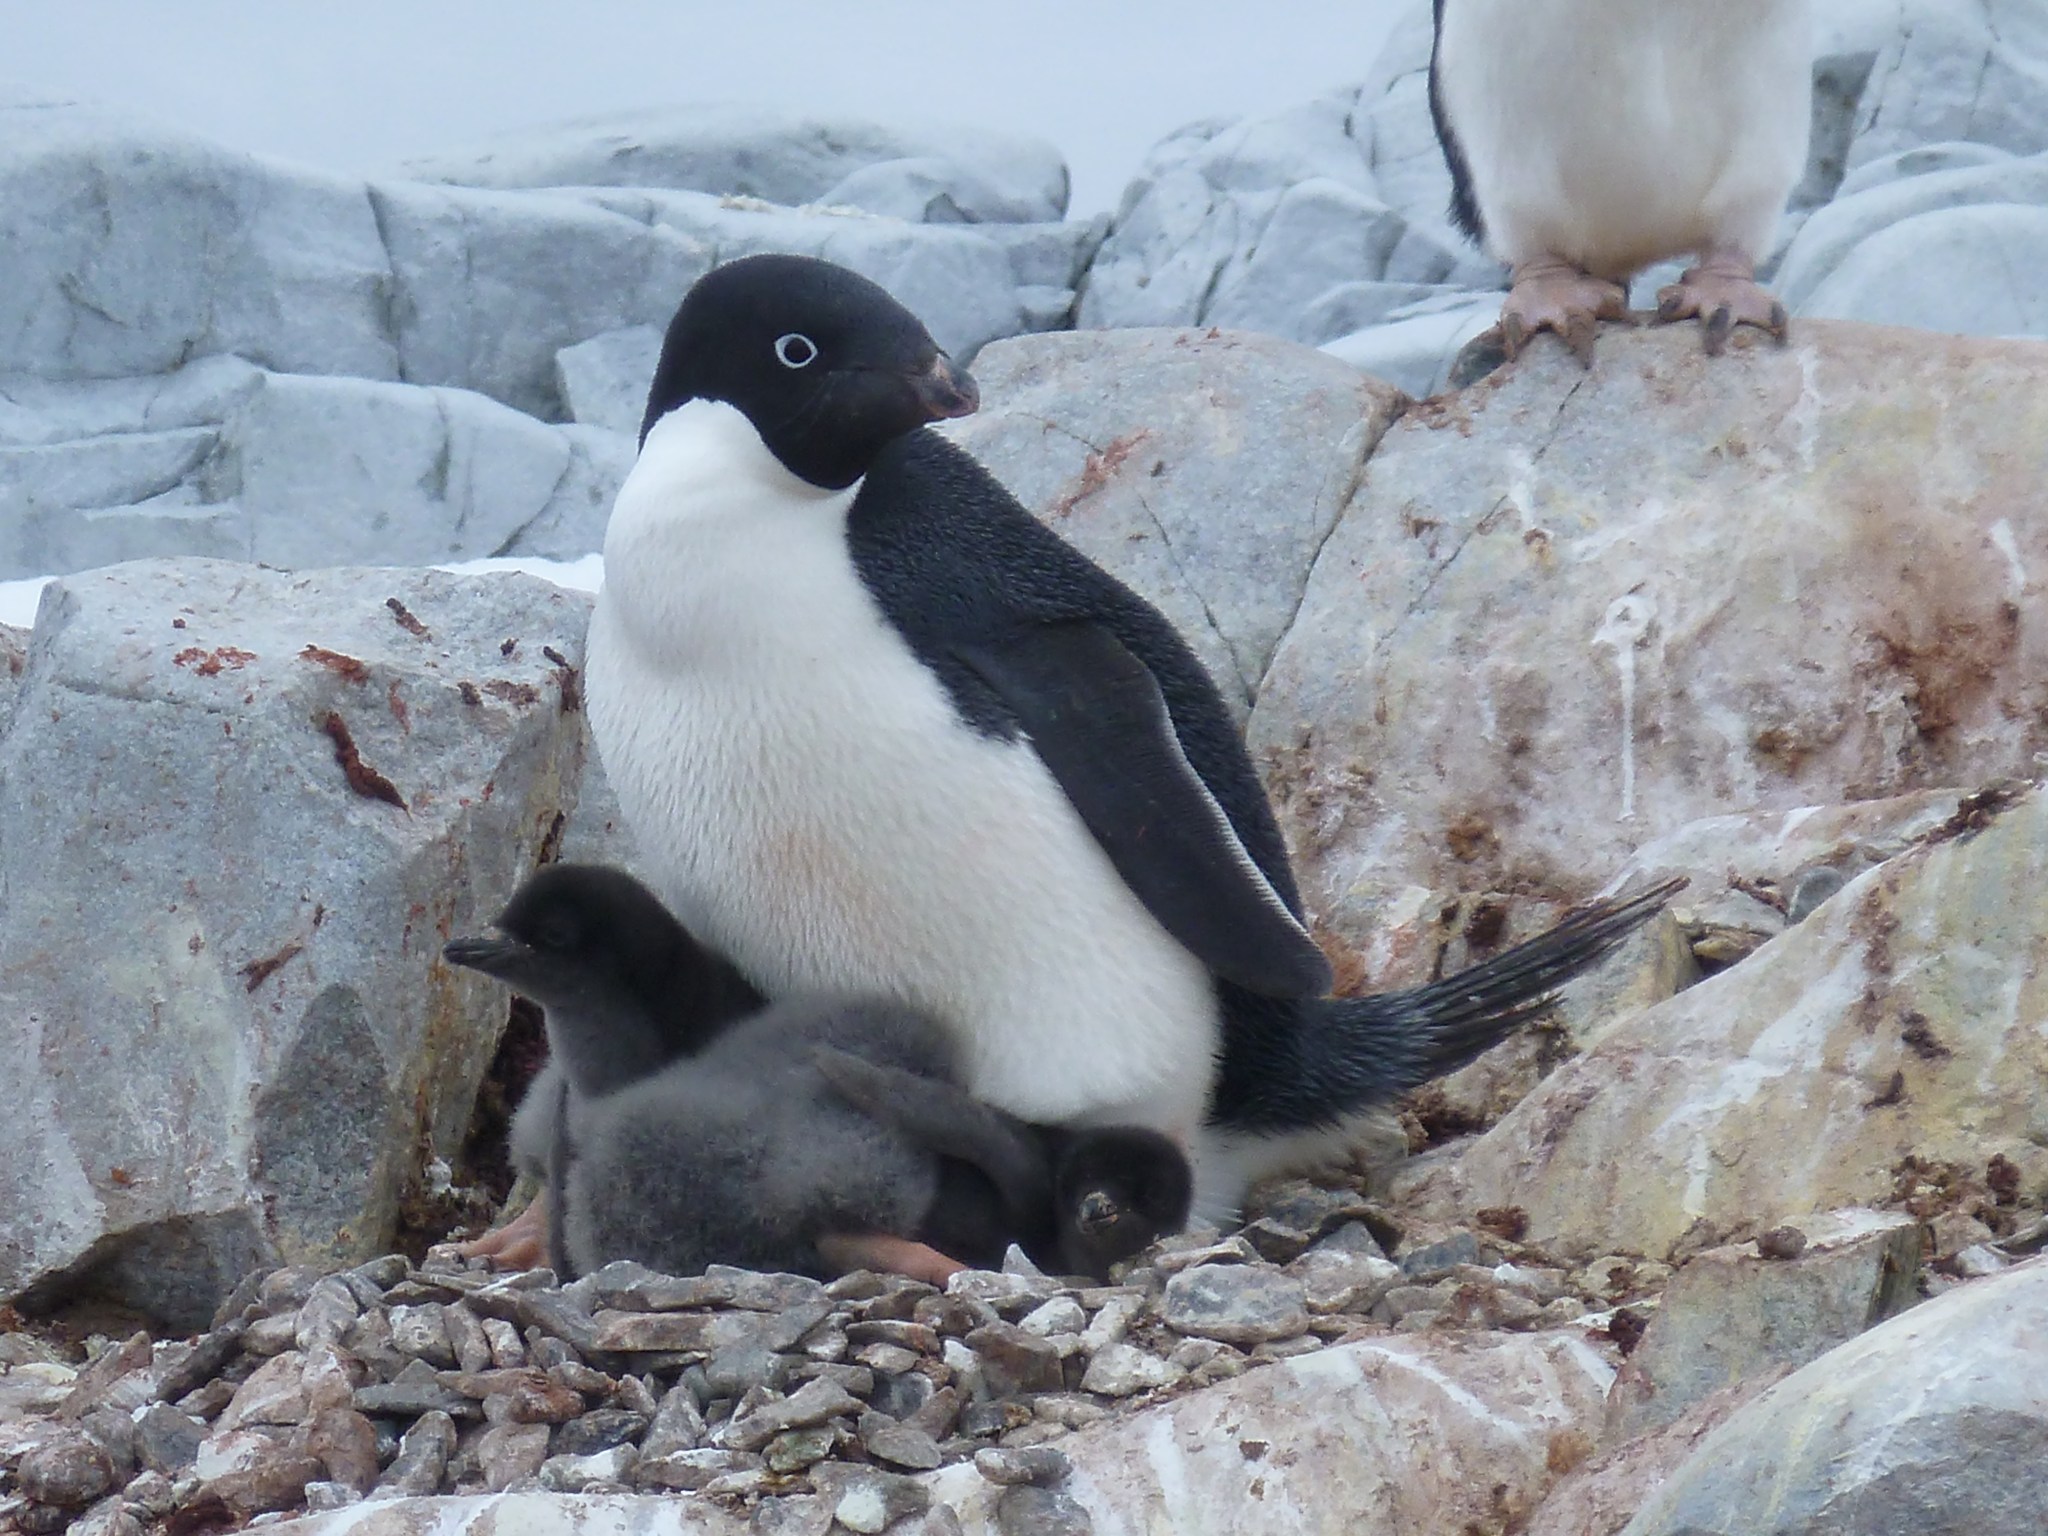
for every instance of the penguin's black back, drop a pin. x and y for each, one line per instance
(954, 559)
(1464, 208)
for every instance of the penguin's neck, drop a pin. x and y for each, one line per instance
(711, 532)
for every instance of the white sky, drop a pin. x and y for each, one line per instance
(356, 85)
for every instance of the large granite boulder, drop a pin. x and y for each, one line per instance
(1569, 611)
(1898, 1027)
(779, 157)
(243, 808)
(1933, 1422)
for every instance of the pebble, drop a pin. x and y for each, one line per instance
(422, 1458)
(689, 1471)
(1119, 1370)
(1014, 1361)
(812, 1403)
(1039, 1465)
(899, 1444)
(795, 1449)
(508, 1453)
(874, 1501)
(68, 1469)
(583, 1474)
(598, 1430)
(1062, 1314)
(1237, 1304)
(1033, 1511)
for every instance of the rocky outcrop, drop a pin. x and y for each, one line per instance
(1932, 1422)
(1899, 1028)
(243, 810)
(1806, 585)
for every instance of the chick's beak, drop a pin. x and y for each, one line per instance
(483, 953)
(945, 391)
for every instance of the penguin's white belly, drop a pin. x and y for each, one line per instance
(1617, 133)
(805, 797)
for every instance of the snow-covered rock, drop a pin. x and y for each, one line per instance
(779, 157)
(225, 460)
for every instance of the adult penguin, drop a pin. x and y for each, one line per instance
(1588, 139)
(878, 731)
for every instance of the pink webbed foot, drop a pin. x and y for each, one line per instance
(1556, 296)
(1722, 292)
(887, 1256)
(522, 1243)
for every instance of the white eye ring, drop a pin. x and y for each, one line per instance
(795, 350)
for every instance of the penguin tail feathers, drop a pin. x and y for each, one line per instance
(1359, 1051)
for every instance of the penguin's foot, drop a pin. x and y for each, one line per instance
(1722, 292)
(1554, 295)
(522, 1243)
(888, 1256)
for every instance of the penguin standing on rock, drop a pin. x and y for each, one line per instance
(879, 732)
(1588, 139)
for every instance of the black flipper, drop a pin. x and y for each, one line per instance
(949, 1121)
(1097, 719)
(1280, 1073)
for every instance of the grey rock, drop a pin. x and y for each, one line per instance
(1062, 1314)
(322, 1495)
(598, 1430)
(1015, 1361)
(509, 1453)
(1966, 270)
(1834, 235)
(603, 381)
(795, 1449)
(811, 1404)
(1266, 221)
(274, 1394)
(1961, 1444)
(778, 156)
(422, 1332)
(406, 1399)
(690, 1470)
(1204, 472)
(423, 1453)
(1042, 1465)
(490, 285)
(467, 1338)
(109, 1517)
(1336, 1281)
(959, 279)
(346, 1445)
(1235, 1304)
(167, 1440)
(580, 1474)
(1729, 1314)
(901, 1445)
(873, 1501)
(1121, 1370)
(326, 1314)
(1032, 1511)
(134, 249)
(678, 1424)
(69, 1470)
(1941, 72)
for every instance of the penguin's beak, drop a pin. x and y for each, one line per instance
(1098, 1212)
(492, 956)
(945, 391)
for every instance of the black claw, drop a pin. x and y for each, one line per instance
(1720, 325)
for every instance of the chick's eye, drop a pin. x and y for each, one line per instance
(795, 350)
(555, 933)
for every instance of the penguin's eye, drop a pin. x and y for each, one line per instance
(555, 933)
(795, 350)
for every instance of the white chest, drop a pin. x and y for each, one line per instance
(807, 800)
(1615, 133)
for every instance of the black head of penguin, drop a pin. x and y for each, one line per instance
(1116, 1190)
(825, 364)
(625, 987)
